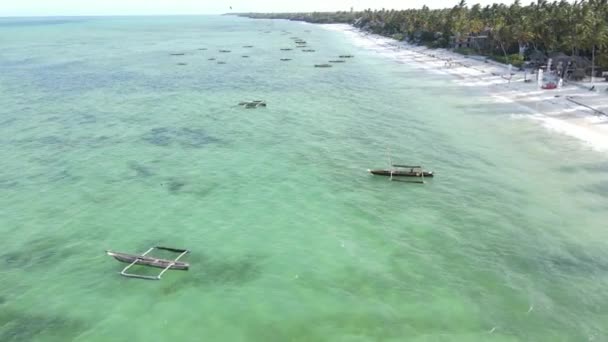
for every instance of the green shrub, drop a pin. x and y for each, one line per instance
(398, 36)
(464, 51)
(514, 59)
(440, 43)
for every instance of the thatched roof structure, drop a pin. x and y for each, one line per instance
(537, 56)
(574, 62)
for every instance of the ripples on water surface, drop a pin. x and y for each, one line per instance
(107, 143)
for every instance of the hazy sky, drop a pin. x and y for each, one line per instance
(143, 7)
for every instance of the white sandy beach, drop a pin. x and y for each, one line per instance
(564, 110)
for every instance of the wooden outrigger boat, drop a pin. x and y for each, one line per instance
(414, 171)
(253, 104)
(165, 264)
(148, 261)
(402, 171)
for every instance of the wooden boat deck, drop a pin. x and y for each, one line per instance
(165, 264)
(398, 170)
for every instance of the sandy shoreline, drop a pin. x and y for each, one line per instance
(564, 110)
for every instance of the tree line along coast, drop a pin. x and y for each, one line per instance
(575, 33)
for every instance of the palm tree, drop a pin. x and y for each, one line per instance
(595, 28)
(578, 27)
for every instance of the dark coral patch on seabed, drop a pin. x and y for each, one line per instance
(186, 137)
(22, 327)
(140, 169)
(213, 271)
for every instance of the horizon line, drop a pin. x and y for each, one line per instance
(158, 14)
(109, 15)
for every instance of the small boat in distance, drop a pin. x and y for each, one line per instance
(145, 260)
(338, 61)
(323, 65)
(346, 56)
(402, 171)
(285, 59)
(247, 46)
(177, 54)
(253, 104)
(225, 51)
(149, 261)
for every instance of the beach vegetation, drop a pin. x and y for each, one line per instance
(398, 36)
(465, 51)
(514, 59)
(501, 32)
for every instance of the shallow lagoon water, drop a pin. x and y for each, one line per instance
(107, 143)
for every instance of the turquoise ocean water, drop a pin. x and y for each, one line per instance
(107, 143)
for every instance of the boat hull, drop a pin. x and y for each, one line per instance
(401, 173)
(148, 261)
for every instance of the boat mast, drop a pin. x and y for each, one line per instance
(390, 162)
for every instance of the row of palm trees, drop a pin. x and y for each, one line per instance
(575, 28)
(578, 28)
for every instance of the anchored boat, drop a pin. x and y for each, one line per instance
(398, 170)
(143, 259)
(148, 261)
(253, 104)
(402, 171)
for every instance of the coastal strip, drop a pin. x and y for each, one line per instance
(553, 108)
(572, 110)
